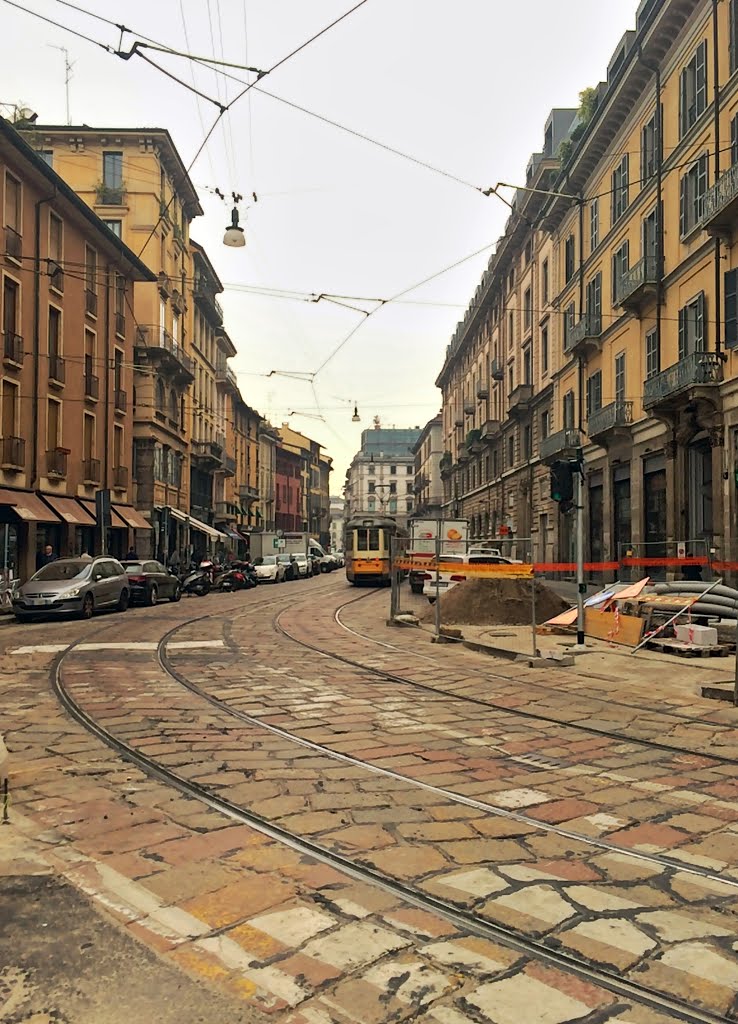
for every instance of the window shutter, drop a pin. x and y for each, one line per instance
(699, 327)
(731, 307)
(624, 171)
(589, 397)
(731, 37)
(626, 257)
(700, 91)
(683, 205)
(683, 103)
(734, 141)
(682, 333)
(701, 187)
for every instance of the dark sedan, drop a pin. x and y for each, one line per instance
(152, 582)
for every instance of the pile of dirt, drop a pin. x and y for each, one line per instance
(505, 602)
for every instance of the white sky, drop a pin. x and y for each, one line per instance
(465, 85)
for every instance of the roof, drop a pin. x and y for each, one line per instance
(437, 421)
(9, 136)
(201, 254)
(175, 165)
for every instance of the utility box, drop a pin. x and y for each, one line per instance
(703, 636)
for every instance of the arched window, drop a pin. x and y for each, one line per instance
(173, 406)
(161, 401)
(182, 412)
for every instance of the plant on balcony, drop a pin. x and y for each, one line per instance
(110, 195)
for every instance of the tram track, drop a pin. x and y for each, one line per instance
(467, 920)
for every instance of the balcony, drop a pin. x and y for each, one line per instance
(90, 302)
(229, 465)
(158, 344)
(120, 478)
(178, 235)
(178, 301)
(12, 453)
(247, 493)
(585, 333)
(120, 398)
(609, 422)
(496, 370)
(207, 454)
(520, 399)
(164, 283)
(482, 394)
(490, 430)
(446, 465)
(92, 387)
(91, 471)
(225, 511)
(120, 325)
(720, 204)
(463, 454)
(459, 421)
(469, 409)
(56, 463)
(13, 243)
(639, 284)
(13, 350)
(205, 294)
(110, 195)
(564, 444)
(56, 369)
(695, 376)
(474, 441)
(225, 375)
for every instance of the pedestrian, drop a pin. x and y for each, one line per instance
(47, 556)
(131, 556)
(174, 561)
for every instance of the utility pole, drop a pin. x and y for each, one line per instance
(68, 65)
(581, 585)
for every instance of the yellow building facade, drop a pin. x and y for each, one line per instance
(607, 319)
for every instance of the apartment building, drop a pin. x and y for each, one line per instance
(266, 505)
(381, 477)
(134, 179)
(618, 340)
(428, 485)
(288, 489)
(67, 353)
(314, 489)
(336, 527)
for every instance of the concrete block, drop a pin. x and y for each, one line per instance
(703, 636)
(4, 758)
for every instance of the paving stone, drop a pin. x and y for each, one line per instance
(478, 882)
(612, 941)
(697, 887)
(293, 925)
(240, 900)
(671, 926)
(696, 972)
(509, 1001)
(362, 837)
(419, 922)
(355, 944)
(481, 851)
(434, 831)
(475, 954)
(531, 907)
(410, 981)
(407, 862)
(599, 900)
(515, 798)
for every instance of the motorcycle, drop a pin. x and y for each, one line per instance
(196, 581)
(238, 576)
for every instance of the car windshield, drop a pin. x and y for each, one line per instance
(62, 570)
(300, 558)
(269, 560)
(133, 567)
(283, 558)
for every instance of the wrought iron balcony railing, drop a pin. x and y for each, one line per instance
(641, 278)
(610, 417)
(559, 443)
(696, 369)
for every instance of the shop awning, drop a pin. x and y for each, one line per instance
(115, 520)
(28, 506)
(70, 510)
(133, 517)
(232, 534)
(196, 524)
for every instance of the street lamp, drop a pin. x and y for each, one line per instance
(234, 234)
(356, 418)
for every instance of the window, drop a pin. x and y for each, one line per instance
(568, 410)
(594, 224)
(162, 320)
(545, 424)
(527, 253)
(393, 488)
(527, 366)
(53, 425)
(47, 155)
(649, 235)
(408, 506)
(620, 378)
(11, 307)
(510, 378)
(89, 353)
(568, 323)
(370, 469)
(693, 90)
(692, 327)
(692, 188)
(118, 369)
(10, 409)
(112, 170)
(527, 443)
(54, 334)
(733, 39)
(372, 488)
(115, 226)
(371, 504)
(90, 270)
(569, 258)
(511, 279)
(544, 349)
(731, 308)
(527, 310)
(160, 396)
(594, 296)
(393, 470)
(653, 354)
(594, 393)
(620, 262)
(544, 282)
(409, 487)
(56, 252)
(620, 189)
(88, 436)
(510, 328)
(117, 446)
(175, 328)
(409, 470)
(511, 451)
(393, 505)
(649, 142)
(13, 209)
(174, 407)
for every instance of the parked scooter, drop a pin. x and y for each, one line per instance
(196, 581)
(237, 576)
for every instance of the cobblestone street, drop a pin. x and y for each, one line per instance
(320, 818)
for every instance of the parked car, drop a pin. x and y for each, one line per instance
(450, 579)
(328, 563)
(151, 582)
(73, 586)
(290, 567)
(270, 570)
(304, 565)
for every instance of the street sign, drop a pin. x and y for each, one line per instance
(102, 509)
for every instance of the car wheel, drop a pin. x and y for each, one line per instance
(177, 595)
(152, 595)
(88, 606)
(124, 601)
(20, 617)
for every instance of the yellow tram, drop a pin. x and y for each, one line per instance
(368, 540)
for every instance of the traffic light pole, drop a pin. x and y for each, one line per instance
(581, 585)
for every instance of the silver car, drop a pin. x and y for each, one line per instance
(73, 586)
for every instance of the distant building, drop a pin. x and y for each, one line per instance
(381, 476)
(335, 528)
(428, 485)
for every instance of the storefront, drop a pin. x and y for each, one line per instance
(80, 532)
(27, 525)
(199, 540)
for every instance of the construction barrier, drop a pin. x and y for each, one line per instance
(526, 569)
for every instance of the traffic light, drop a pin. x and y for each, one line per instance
(562, 482)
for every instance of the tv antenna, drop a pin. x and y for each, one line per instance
(68, 65)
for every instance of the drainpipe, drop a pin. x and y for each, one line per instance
(36, 333)
(106, 420)
(716, 94)
(580, 202)
(659, 200)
